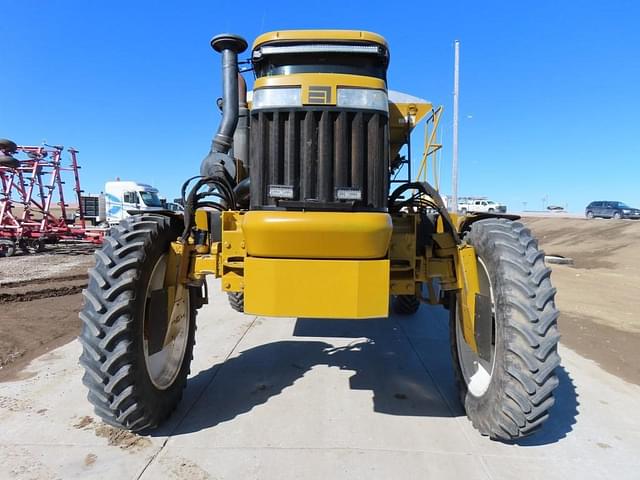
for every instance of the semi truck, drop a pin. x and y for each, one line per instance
(118, 199)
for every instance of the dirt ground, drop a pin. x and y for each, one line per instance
(39, 300)
(598, 295)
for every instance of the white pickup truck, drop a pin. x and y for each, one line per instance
(480, 205)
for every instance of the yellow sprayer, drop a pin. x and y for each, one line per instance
(299, 211)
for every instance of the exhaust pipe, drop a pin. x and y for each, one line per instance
(229, 45)
(241, 135)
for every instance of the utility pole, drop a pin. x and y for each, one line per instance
(454, 169)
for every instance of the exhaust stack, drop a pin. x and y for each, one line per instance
(241, 135)
(229, 45)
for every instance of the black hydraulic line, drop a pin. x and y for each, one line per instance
(191, 203)
(242, 192)
(428, 190)
(183, 190)
(211, 204)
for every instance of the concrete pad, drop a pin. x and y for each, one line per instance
(280, 387)
(312, 464)
(306, 399)
(44, 431)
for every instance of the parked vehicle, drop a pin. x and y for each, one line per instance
(611, 209)
(118, 199)
(175, 207)
(555, 208)
(480, 204)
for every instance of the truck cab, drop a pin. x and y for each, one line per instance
(121, 197)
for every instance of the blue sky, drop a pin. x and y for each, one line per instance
(549, 100)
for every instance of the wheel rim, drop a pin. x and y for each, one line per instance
(477, 372)
(163, 366)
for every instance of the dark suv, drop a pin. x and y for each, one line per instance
(611, 210)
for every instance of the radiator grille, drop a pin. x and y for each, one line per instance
(316, 152)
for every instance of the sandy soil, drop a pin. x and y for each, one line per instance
(39, 301)
(598, 295)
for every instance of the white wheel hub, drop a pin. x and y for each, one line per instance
(477, 372)
(163, 366)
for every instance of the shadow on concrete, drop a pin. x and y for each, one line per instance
(380, 357)
(430, 339)
(405, 363)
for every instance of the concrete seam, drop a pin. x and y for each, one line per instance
(424, 367)
(166, 440)
(485, 467)
(440, 392)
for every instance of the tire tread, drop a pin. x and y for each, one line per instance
(527, 377)
(108, 335)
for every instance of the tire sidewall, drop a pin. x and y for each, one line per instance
(161, 401)
(477, 407)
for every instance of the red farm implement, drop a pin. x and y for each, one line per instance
(33, 211)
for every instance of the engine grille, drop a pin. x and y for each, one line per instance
(316, 152)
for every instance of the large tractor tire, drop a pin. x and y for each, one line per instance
(236, 300)
(136, 346)
(405, 304)
(7, 248)
(9, 161)
(8, 146)
(507, 388)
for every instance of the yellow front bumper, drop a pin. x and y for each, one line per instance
(334, 235)
(316, 288)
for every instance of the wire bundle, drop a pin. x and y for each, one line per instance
(218, 188)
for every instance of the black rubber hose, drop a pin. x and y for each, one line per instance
(242, 192)
(427, 189)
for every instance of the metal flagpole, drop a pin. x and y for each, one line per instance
(454, 171)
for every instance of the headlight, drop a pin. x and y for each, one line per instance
(276, 97)
(626, 211)
(363, 98)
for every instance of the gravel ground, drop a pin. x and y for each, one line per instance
(56, 261)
